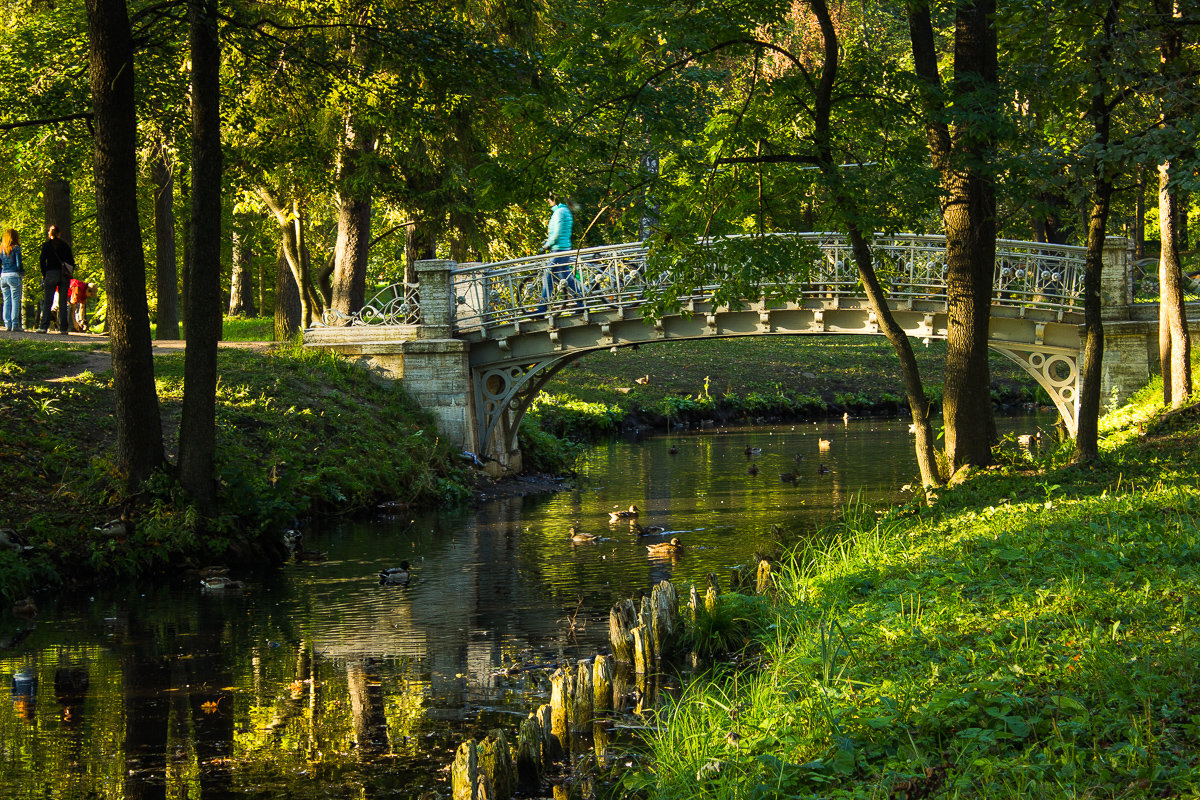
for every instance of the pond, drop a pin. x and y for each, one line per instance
(314, 680)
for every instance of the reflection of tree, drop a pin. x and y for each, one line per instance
(366, 706)
(70, 689)
(209, 674)
(146, 681)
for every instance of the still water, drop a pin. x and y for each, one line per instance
(317, 681)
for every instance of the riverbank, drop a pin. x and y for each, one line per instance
(300, 434)
(655, 388)
(1032, 634)
(304, 434)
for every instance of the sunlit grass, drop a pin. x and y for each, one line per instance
(1029, 635)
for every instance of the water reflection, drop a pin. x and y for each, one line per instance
(318, 681)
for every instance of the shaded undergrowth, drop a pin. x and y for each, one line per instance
(299, 433)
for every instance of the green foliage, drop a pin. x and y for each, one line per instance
(573, 419)
(731, 625)
(299, 432)
(1021, 636)
(545, 452)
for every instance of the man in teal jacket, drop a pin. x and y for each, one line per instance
(558, 240)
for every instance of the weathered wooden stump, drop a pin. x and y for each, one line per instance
(762, 582)
(495, 762)
(621, 620)
(562, 689)
(464, 775)
(602, 685)
(581, 707)
(553, 748)
(529, 755)
(643, 653)
(664, 614)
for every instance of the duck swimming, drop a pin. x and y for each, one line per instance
(396, 575)
(752, 451)
(630, 513)
(579, 537)
(645, 530)
(752, 470)
(220, 583)
(665, 548)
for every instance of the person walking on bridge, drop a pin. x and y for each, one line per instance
(558, 240)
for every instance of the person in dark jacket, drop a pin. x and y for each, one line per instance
(57, 264)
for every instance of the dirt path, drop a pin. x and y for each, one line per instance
(100, 360)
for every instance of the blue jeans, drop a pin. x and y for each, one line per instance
(10, 289)
(560, 269)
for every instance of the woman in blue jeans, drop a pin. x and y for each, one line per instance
(11, 272)
(558, 240)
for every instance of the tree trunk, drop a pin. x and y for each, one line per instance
(166, 271)
(968, 213)
(185, 198)
(262, 289)
(354, 219)
(241, 279)
(846, 204)
(197, 428)
(110, 55)
(1174, 344)
(56, 201)
(292, 249)
(419, 244)
(1139, 214)
(288, 309)
(1088, 423)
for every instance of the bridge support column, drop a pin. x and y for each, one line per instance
(1130, 345)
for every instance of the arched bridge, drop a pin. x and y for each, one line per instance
(474, 343)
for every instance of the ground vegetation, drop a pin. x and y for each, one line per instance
(299, 434)
(1026, 635)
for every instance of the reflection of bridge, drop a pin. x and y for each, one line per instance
(474, 343)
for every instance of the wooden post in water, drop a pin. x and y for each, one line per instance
(529, 755)
(495, 762)
(464, 775)
(664, 607)
(643, 654)
(552, 747)
(562, 686)
(581, 708)
(621, 620)
(763, 577)
(602, 685)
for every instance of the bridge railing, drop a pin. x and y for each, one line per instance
(913, 267)
(397, 304)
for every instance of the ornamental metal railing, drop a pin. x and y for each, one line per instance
(912, 267)
(397, 304)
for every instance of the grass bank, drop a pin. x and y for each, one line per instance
(1032, 634)
(299, 433)
(743, 379)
